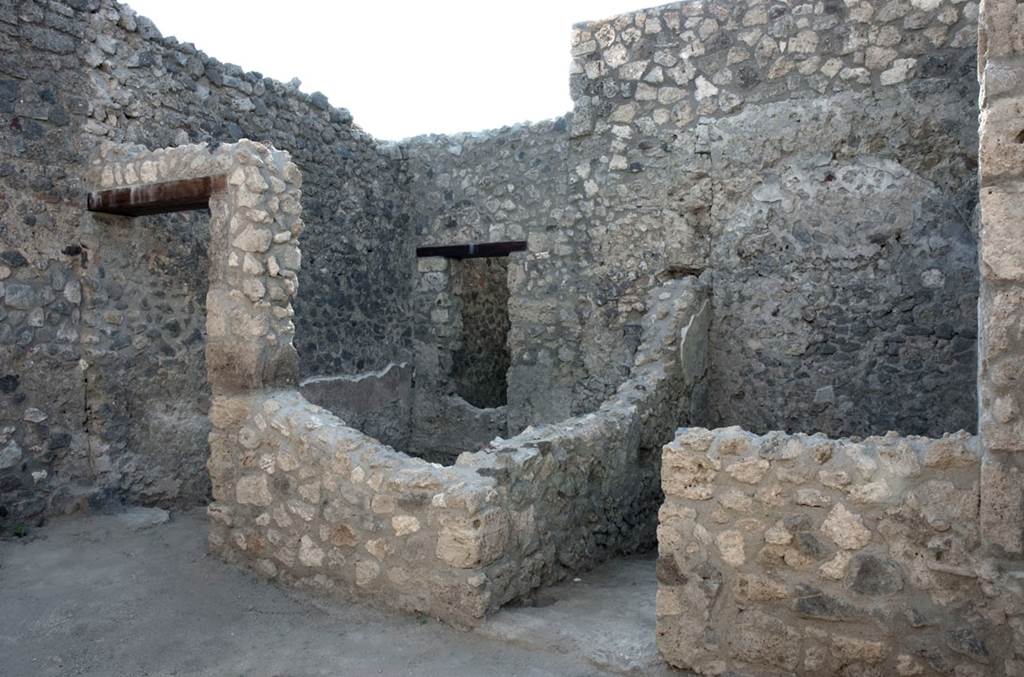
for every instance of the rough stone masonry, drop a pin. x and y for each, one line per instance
(818, 159)
(762, 214)
(303, 498)
(803, 554)
(797, 554)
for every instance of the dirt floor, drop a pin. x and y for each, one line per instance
(136, 594)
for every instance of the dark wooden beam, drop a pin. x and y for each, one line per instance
(157, 198)
(473, 251)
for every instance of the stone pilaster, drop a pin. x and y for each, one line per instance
(1001, 304)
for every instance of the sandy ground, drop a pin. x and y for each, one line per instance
(130, 594)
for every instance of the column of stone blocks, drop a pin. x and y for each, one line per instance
(439, 323)
(255, 222)
(1001, 310)
(254, 262)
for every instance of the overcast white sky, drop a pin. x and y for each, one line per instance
(403, 67)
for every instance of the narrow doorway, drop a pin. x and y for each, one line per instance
(480, 363)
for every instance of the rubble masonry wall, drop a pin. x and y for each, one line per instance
(803, 554)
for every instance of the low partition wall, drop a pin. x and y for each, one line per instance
(303, 498)
(797, 554)
(378, 402)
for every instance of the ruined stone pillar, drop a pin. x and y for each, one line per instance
(1001, 310)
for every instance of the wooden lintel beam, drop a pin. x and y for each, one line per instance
(473, 251)
(157, 198)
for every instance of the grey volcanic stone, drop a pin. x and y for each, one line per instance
(13, 258)
(10, 455)
(20, 296)
(813, 603)
(968, 642)
(871, 575)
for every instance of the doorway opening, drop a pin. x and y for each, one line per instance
(480, 364)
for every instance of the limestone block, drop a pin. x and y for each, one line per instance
(951, 451)
(367, 572)
(899, 72)
(1001, 143)
(310, 554)
(1002, 79)
(756, 588)
(465, 543)
(760, 639)
(252, 239)
(1001, 29)
(683, 618)
(849, 649)
(405, 525)
(688, 475)
(749, 471)
(253, 490)
(1002, 502)
(1002, 229)
(1000, 424)
(733, 442)
(730, 547)
(943, 505)
(845, 528)
(1002, 328)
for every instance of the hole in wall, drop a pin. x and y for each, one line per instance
(1020, 137)
(480, 365)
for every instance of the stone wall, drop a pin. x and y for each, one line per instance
(886, 555)
(158, 92)
(103, 394)
(1000, 378)
(305, 500)
(820, 160)
(797, 554)
(511, 184)
(490, 186)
